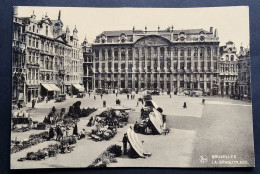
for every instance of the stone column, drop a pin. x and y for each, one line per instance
(172, 66)
(192, 59)
(211, 83)
(113, 60)
(133, 81)
(198, 79)
(178, 82)
(99, 61)
(211, 59)
(139, 81)
(145, 58)
(205, 82)
(185, 59)
(152, 59)
(140, 60)
(119, 62)
(198, 59)
(134, 55)
(165, 59)
(171, 82)
(158, 56)
(179, 60)
(165, 82)
(106, 60)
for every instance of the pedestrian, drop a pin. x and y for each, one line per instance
(51, 133)
(137, 103)
(101, 95)
(116, 94)
(46, 99)
(94, 97)
(33, 103)
(125, 140)
(104, 103)
(127, 97)
(203, 101)
(88, 94)
(75, 130)
(19, 105)
(53, 109)
(170, 96)
(184, 105)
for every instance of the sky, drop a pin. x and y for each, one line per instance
(232, 22)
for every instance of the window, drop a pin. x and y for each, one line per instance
(130, 54)
(232, 58)
(175, 51)
(30, 41)
(216, 51)
(47, 30)
(195, 52)
(116, 53)
(182, 51)
(123, 54)
(33, 28)
(202, 51)
(208, 52)
(189, 51)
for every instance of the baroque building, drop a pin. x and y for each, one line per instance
(87, 65)
(244, 74)
(169, 60)
(51, 61)
(228, 69)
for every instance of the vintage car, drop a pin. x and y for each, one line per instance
(61, 98)
(155, 92)
(124, 91)
(101, 91)
(81, 94)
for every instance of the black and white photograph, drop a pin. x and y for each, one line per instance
(131, 87)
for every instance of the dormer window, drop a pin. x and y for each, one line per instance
(123, 38)
(103, 38)
(182, 36)
(202, 38)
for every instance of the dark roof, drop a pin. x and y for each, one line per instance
(131, 32)
(117, 33)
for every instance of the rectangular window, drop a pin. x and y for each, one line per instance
(175, 51)
(189, 51)
(182, 51)
(130, 54)
(195, 52)
(47, 30)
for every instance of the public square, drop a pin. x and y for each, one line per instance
(202, 135)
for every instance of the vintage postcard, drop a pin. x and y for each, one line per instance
(131, 87)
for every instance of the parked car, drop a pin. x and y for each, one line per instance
(101, 91)
(186, 92)
(60, 98)
(81, 94)
(124, 91)
(196, 93)
(155, 92)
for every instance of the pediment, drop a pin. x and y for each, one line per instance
(152, 40)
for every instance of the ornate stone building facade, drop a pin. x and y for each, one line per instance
(228, 69)
(52, 58)
(169, 60)
(244, 74)
(87, 65)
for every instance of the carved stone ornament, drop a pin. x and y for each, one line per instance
(152, 41)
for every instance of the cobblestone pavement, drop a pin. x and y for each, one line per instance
(219, 127)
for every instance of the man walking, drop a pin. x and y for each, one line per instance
(33, 103)
(125, 140)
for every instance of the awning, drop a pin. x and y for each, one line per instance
(79, 87)
(48, 87)
(156, 119)
(135, 142)
(54, 87)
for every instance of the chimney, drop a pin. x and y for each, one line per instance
(59, 15)
(133, 28)
(216, 33)
(15, 11)
(211, 29)
(172, 28)
(145, 29)
(158, 28)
